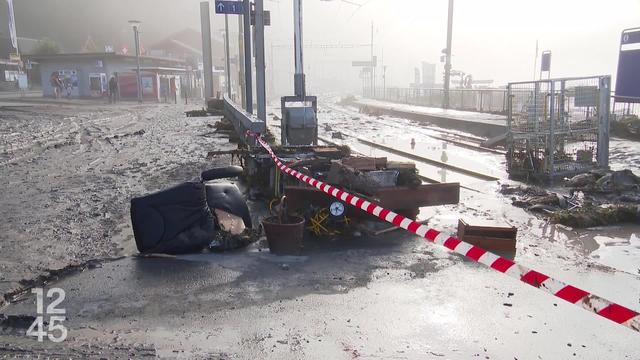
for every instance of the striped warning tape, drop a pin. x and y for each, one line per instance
(603, 307)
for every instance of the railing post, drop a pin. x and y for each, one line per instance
(603, 121)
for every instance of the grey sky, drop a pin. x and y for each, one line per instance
(493, 39)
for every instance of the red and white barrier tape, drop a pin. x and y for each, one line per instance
(586, 300)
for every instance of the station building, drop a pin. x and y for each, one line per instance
(86, 75)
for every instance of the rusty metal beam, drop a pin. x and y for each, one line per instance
(300, 198)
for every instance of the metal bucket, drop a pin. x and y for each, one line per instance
(284, 239)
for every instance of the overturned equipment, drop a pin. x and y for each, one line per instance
(189, 217)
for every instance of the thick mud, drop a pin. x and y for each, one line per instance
(67, 173)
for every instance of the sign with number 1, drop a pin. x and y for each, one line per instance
(56, 331)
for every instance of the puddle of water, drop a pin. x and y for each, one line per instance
(619, 253)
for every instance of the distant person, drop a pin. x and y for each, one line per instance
(59, 86)
(54, 82)
(113, 90)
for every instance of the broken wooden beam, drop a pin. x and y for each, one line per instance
(488, 236)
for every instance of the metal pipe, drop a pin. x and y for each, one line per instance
(248, 79)
(603, 121)
(260, 66)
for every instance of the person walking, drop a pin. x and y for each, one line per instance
(113, 90)
(53, 81)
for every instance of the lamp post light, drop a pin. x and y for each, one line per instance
(135, 24)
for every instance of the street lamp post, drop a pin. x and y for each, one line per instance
(136, 36)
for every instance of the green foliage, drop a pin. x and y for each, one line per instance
(46, 47)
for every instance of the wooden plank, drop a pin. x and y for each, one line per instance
(423, 195)
(400, 165)
(364, 163)
(327, 151)
(493, 238)
(490, 243)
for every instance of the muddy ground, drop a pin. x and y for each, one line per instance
(67, 173)
(390, 297)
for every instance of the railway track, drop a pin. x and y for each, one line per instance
(466, 141)
(432, 165)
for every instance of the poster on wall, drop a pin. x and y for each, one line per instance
(98, 84)
(147, 85)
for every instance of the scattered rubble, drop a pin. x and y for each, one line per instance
(627, 127)
(596, 198)
(591, 216)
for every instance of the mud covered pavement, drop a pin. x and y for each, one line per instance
(394, 296)
(67, 173)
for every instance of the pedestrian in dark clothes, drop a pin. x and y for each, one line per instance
(113, 90)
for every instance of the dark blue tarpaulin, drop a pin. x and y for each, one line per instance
(628, 78)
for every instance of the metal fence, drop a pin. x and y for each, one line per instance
(479, 100)
(620, 110)
(558, 127)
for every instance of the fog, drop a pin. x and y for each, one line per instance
(492, 39)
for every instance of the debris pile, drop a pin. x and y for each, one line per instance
(596, 198)
(367, 174)
(627, 127)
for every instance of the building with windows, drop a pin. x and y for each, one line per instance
(86, 75)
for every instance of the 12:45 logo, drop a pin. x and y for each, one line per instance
(56, 331)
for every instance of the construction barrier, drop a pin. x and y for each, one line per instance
(593, 303)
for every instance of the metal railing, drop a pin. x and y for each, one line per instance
(492, 101)
(243, 121)
(478, 100)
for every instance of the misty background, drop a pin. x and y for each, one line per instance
(492, 39)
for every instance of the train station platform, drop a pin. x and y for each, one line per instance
(481, 124)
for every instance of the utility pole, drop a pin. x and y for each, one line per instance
(299, 81)
(136, 37)
(384, 77)
(535, 62)
(226, 46)
(373, 67)
(260, 65)
(447, 65)
(241, 63)
(247, 56)
(207, 62)
(13, 33)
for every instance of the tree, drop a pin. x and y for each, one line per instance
(46, 46)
